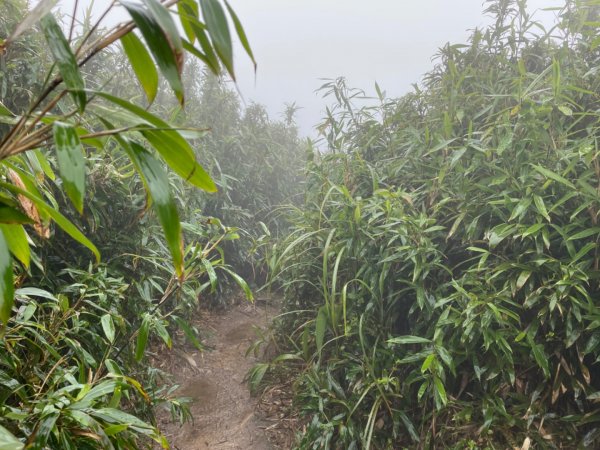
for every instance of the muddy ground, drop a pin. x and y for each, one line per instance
(226, 416)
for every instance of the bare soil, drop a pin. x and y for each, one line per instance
(226, 416)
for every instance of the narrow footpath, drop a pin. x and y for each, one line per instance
(225, 415)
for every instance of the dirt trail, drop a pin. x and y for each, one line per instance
(224, 412)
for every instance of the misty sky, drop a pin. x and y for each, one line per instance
(298, 42)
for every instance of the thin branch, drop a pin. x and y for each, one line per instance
(72, 27)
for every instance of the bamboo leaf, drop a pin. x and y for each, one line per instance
(212, 275)
(157, 33)
(16, 238)
(65, 60)
(242, 34)
(12, 215)
(71, 162)
(404, 340)
(188, 11)
(108, 326)
(190, 334)
(218, 29)
(8, 441)
(523, 277)
(440, 390)
(60, 220)
(43, 162)
(157, 183)
(320, 328)
(241, 283)
(4, 111)
(585, 233)
(553, 176)
(142, 64)
(7, 289)
(174, 149)
(541, 207)
(142, 338)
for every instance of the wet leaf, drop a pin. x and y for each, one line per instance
(142, 64)
(71, 162)
(158, 186)
(65, 60)
(156, 26)
(218, 29)
(7, 289)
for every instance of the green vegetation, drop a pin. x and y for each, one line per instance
(104, 252)
(439, 255)
(441, 278)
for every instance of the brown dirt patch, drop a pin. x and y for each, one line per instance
(225, 415)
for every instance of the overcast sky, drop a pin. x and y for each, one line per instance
(298, 42)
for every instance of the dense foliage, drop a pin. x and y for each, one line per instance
(441, 278)
(80, 162)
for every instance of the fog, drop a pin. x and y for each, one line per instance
(299, 42)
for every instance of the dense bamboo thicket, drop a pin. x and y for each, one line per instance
(441, 278)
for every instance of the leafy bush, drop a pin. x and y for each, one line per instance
(72, 347)
(442, 277)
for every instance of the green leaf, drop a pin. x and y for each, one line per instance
(168, 26)
(174, 149)
(4, 111)
(157, 183)
(189, 332)
(184, 164)
(115, 429)
(108, 327)
(8, 441)
(523, 277)
(7, 288)
(540, 357)
(242, 34)
(60, 220)
(403, 340)
(188, 12)
(520, 209)
(256, 375)
(161, 330)
(212, 275)
(35, 292)
(565, 110)
(320, 327)
(142, 64)
(71, 162)
(16, 238)
(440, 390)
(218, 29)
(428, 362)
(533, 229)
(553, 176)
(585, 233)
(43, 162)
(241, 283)
(541, 207)
(116, 416)
(209, 57)
(142, 338)
(65, 59)
(155, 26)
(12, 215)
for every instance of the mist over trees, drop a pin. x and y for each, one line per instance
(436, 254)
